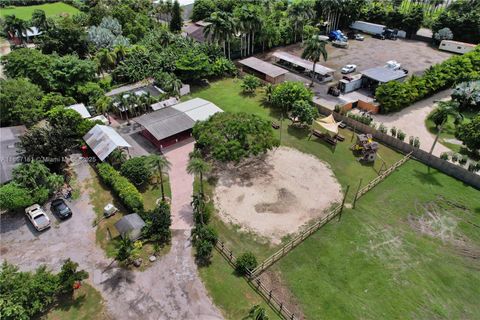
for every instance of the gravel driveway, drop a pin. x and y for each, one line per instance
(170, 289)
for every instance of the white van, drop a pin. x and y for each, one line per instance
(456, 46)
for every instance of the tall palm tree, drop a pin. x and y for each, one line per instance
(314, 50)
(120, 51)
(299, 11)
(440, 117)
(220, 30)
(198, 167)
(159, 164)
(105, 59)
(249, 23)
(103, 105)
(145, 100)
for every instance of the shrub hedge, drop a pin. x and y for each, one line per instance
(394, 96)
(124, 189)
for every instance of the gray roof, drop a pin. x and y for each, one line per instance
(308, 65)
(103, 140)
(169, 121)
(144, 85)
(263, 67)
(129, 223)
(382, 74)
(9, 136)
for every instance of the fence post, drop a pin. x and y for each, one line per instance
(356, 194)
(343, 203)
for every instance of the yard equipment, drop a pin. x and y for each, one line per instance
(366, 148)
(109, 210)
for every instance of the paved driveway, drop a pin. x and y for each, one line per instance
(170, 289)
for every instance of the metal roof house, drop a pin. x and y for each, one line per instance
(291, 61)
(373, 77)
(103, 140)
(264, 70)
(170, 125)
(130, 225)
(9, 136)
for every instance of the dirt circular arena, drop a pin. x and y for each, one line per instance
(277, 194)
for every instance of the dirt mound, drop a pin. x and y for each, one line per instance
(277, 194)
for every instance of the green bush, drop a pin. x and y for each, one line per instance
(136, 170)
(463, 160)
(455, 157)
(394, 96)
(393, 131)
(473, 167)
(250, 84)
(401, 135)
(124, 189)
(245, 263)
(416, 142)
(360, 118)
(444, 156)
(382, 128)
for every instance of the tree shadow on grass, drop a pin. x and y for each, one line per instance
(427, 177)
(68, 302)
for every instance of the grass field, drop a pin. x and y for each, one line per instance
(87, 304)
(448, 131)
(51, 9)
(409, 250)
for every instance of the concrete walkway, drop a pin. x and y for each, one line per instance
(411, 120)
(170, 289)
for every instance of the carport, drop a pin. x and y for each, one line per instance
(264, 70)
(300, 65)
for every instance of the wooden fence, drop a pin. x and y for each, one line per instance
(295, 241)
(256, 283)
(381, 177)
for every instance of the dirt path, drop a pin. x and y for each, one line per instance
(411, 120)
(170, 289)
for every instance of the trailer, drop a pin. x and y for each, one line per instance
(456, 46)
(350, 83)
(367, 27)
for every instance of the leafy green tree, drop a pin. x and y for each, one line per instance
(89, 93)
(300, 11)
(204, 238)
(469, 134)
(443, 34)
(176, 23)
(158, 222)
(223, 67)
(136, 170)
(68, 121)
(232, 136)
(159, 164)
(15, 27)
(468, 95)
(39, 20)
(314, 50)
(125, 249)
(303, 112)
(13, 197)
(245, 263)
(462, 18)
(168, 82)
(440, 116)
(250, 84)
(117, 158)
(69, 275)
(202, 9)
(201, 215)
(199, 167)
(203, 252)
(26, 295)
(257, 313)
(285, 94)
(20, 102)
(192, 65)
(55, 100)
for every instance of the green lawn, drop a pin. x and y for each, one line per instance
(87, 304)
(106, 234)
(378, 264)
(448, 131)
(51, 9)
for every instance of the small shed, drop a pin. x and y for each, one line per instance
(264, 70)
(130, 225)
(371, 78)
(103, 140)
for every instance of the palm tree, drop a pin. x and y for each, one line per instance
(199, 167)
(145, 100)
(105, 60)
(221, 29)
(299, 11)
(16, 27)
(249, 22)
(103, 105)
(440, 117)
(314, 50)
(120, 51)
(39, 20)
(257, 313)
(159, 164)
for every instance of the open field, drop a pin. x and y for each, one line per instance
(277, 194)
(86, 304)
(415, 56)
(410, 249)
(51, 9)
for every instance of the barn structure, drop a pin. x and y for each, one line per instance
(264, 70)
(170, 125)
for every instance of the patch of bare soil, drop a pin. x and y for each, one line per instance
(277, 194)
(273, 280)
(438, 221)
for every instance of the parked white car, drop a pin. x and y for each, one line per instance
(392, 64)
(37, 217)
(349, 68)
(359, 37)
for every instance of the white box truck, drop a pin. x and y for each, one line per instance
(367, 27)
(456, 46)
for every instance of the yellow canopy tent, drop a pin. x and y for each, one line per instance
(327, 123)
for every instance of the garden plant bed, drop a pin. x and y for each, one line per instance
(277, 194)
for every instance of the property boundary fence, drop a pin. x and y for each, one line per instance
(256, 283)
(446, 167)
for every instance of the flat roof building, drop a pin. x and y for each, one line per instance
(172, 124)
(264, 70)
(372, 78)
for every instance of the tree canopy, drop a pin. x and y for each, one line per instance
(287, 93)
(469, 133)
(232, 136)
